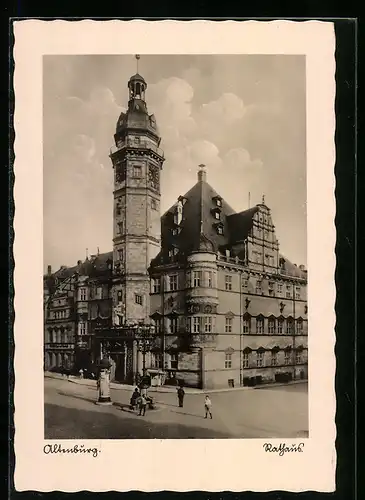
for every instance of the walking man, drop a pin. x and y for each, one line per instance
(180, 396)
(142, 405)
(208, 407)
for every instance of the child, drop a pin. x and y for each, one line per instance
(142, 405)
(208, 406)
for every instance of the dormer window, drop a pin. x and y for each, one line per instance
(220, 229)
(175, 231)
(218, 201)
(217, 215)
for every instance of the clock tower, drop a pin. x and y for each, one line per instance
(137, 162)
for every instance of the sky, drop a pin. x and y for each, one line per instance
(243, 116)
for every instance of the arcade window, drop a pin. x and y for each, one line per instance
(287, 358)
(138, 299)
(228, 361)
(274, 358)
(299, 327)
(280, 326)
(298, 357)
(289, 327)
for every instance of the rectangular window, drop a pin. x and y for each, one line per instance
(82, 294)
(197, 275)
(173, 282)
(120, 226)
(158, 325)
(220, 230)
(258, 287)
(153, 204)
(228, 361)
(246, 325)
(137, 171)
(289, 327)
(217, 215)
(156, 285)
(297, 292)
(138, 299)
(208, 324)
(173, 325)
(280, 326)
(174, 360)
(228, 282)
(287, 358)
(245, 285)
(274, 358)
(260, 359)
(229, 322)
(280, 289)
(271, 325)
(121, 255)
(209, 279)
(156, 360)
(299, 327)
(218, 202)
(259, 325)
(271, 288)
(245, 360)
(196, 324)
(298, 357)
(82, 328)
(288, 292)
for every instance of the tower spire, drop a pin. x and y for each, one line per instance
(138, 57)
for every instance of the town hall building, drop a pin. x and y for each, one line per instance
(221, 305)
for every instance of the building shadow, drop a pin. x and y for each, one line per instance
(72, 423)
(76, 396)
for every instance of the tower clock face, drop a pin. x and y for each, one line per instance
(154, 177)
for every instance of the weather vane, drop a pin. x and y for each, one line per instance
(263, 199)
(138, 57)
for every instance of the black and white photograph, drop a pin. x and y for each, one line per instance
(182, 232)
(175, 284)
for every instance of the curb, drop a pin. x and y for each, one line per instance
(172, 390)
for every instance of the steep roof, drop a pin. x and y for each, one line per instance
(95, 265)
(240, 224)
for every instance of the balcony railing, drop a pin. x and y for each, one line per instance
(134, 145)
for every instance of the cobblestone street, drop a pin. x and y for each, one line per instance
(272, 412)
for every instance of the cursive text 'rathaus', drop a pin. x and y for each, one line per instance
(76, 449)
(283, 448)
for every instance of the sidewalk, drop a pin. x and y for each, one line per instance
(188, 390)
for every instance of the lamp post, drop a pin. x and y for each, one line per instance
(144, 335)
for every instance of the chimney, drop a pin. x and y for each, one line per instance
(49, 270)
(202, 174)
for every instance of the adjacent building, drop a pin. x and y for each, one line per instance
(227, 308)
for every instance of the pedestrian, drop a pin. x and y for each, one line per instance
(81, 372)
(142, 405)
(180, 396)
(134, 398)
(208, 407)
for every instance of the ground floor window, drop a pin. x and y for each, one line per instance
(156, 360)
(245, 360)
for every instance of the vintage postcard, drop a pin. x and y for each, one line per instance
(174, 194)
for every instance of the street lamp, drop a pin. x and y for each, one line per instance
(143, 336)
